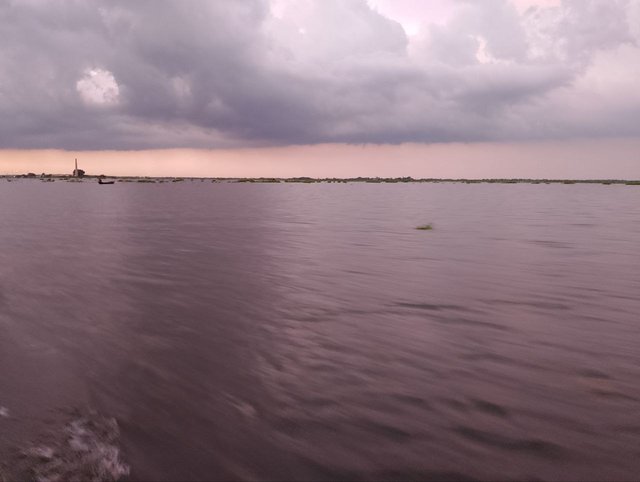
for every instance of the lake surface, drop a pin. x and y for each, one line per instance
(199, 331)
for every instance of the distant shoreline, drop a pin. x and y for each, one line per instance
(310, 180)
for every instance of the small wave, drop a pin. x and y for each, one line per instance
(489, 407)
(86, 450)
(533, 446)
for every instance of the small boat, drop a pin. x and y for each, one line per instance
(100, 181)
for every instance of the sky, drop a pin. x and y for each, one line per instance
(440, 88)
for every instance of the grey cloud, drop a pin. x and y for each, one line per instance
(495, 21)
(589, 25)
(228, 73)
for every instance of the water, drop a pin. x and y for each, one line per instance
(291, 331)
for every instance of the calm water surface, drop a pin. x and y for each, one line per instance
(236, 331)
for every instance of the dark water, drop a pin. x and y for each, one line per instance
(235, 331)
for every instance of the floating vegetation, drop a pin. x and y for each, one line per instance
(425, 227)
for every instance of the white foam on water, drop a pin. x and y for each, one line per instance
(4, 412)
(43, 453)
(86, 451)
(245, 408)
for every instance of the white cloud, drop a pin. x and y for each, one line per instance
(98, 87)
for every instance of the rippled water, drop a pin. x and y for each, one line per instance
(241, 331)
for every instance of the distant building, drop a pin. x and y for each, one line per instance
(78, 172)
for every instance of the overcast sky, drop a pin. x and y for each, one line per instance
(236, 74)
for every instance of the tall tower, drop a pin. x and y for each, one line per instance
(78, 172)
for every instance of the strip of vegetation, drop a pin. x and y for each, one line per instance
(310, 180)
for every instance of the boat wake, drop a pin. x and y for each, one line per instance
(85, 450)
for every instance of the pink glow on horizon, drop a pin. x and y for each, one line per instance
(577, 159)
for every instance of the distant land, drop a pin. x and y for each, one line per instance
(310, 180)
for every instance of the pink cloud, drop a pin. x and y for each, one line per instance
(414, 13)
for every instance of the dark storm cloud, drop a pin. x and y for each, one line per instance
(140, 74)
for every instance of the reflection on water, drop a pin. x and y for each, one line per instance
(237, 331)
